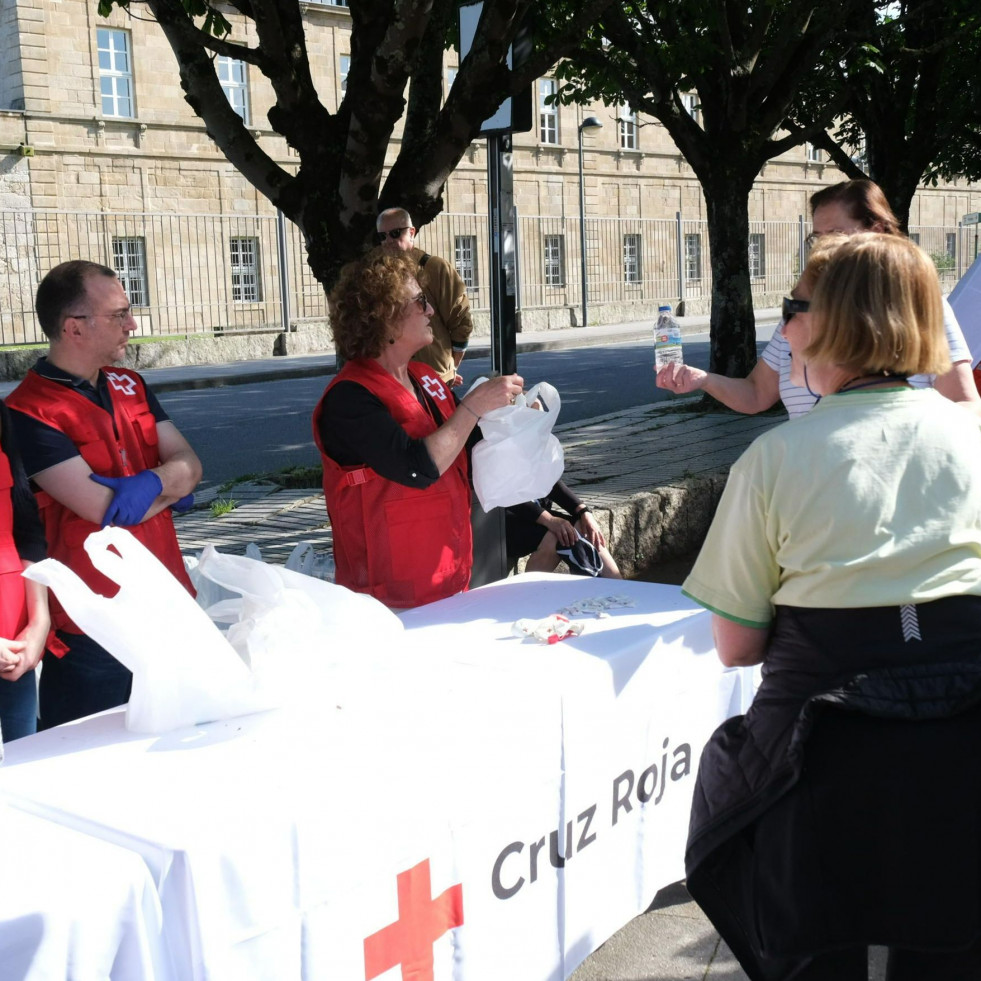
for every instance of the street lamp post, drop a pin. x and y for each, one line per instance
(590, 122)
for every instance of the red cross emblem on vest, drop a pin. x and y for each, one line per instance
(422, 921)
(122, 383)
(434, 387)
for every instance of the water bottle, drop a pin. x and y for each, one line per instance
(667, 339)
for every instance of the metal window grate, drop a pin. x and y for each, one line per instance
(631, 258)
(129, 261)
(243, 254)
(465, 259)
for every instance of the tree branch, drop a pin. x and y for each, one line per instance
(204, 94)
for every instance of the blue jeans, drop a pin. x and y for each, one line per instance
(18, 707)
(87, 679)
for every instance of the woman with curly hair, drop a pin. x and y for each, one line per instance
(392, 438)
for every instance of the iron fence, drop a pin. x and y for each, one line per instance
(190, 274)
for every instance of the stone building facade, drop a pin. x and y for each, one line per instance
(100, 156)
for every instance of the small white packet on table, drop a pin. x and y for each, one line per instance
(548, 631)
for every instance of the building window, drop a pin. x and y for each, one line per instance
(690, 101)
(814, 154)
(951, 245)
(244, 256)
(451, 74)
(234, 78)
(631, 258)
(465, 259)
(860, 155)
(548, 114)
(330, 3)
(129, 261)
(914, 237)
(693, 256)
(554, 260)
(115, 73)
(344, 69)
(627, 120)
(757, 255)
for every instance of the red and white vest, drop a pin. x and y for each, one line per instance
(122, 450)
(13, 601)
(403, 545)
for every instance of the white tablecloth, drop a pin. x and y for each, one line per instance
(534, 797)
(74, 907)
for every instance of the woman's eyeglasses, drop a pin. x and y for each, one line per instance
(420, 301)
(392, 233)
(790, 306)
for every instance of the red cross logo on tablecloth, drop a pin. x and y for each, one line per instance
(434, 388)
(422, 921)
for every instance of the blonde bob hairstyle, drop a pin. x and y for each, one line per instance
(367, 303)
(876, 309)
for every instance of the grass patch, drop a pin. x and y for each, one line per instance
(299, 476)
(222, 505)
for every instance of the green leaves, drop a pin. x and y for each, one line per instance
(214, 21)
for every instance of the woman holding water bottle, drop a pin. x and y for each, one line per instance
(846, 208)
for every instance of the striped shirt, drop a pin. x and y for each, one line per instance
(799, 400)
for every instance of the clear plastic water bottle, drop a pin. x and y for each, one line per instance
(667, 339)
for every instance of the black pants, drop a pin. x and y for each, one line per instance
(86, 680)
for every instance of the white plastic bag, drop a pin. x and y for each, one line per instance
(290, 628)
(518, 459)
(306, 559)
(184, 671)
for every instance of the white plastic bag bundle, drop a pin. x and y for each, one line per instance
(289, 627)
(518, 459)
(306, 559)
(184, 671)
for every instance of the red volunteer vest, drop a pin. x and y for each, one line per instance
(109, 454)
(402, 545)
(13, 600)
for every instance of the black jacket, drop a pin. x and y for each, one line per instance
(845, 807)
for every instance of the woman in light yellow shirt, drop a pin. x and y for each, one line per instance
(845, 557)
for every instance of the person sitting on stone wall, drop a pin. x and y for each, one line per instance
(546, 537)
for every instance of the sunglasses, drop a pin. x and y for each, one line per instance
(392, 233)
(790, 306)
(420, 301)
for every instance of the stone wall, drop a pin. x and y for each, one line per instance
(658, 525)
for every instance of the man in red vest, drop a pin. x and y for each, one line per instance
(99, 450)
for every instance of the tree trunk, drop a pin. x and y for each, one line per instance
(899, 186)
(733, 324)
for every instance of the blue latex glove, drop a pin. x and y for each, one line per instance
(184, 504)
(132, 497)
